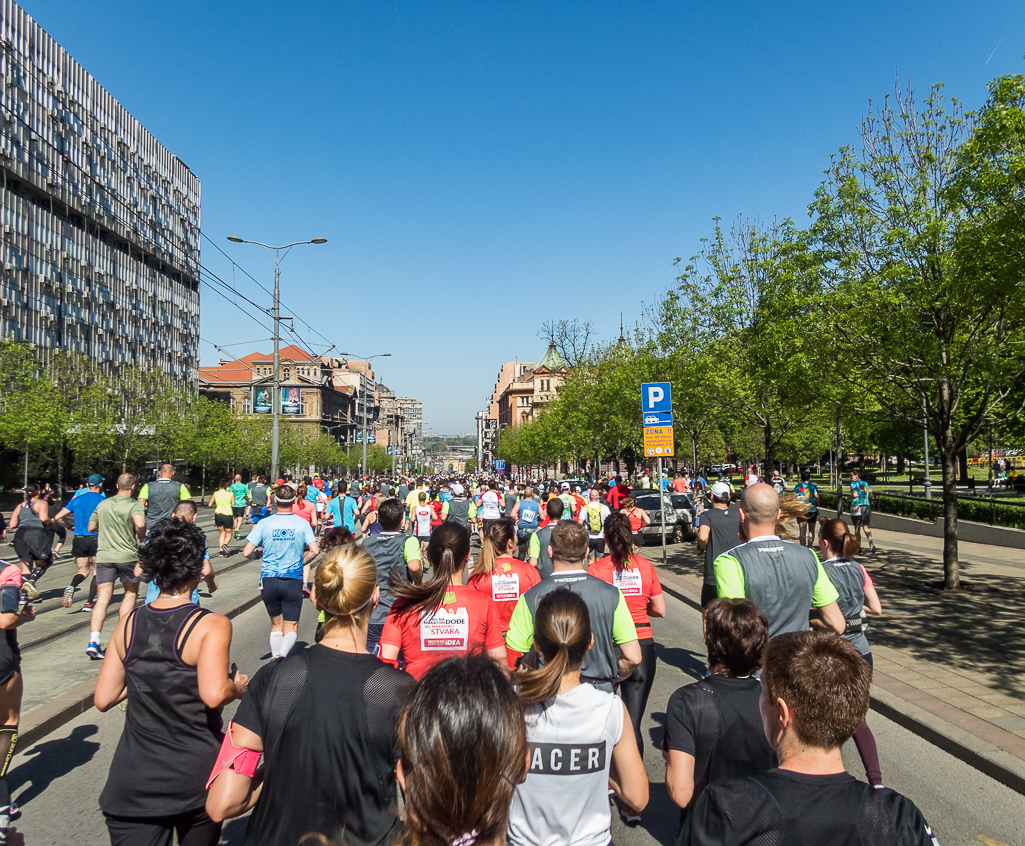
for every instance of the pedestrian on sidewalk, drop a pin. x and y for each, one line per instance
(569, 721)
(815, 694)
(713, 727)
(170, 659)
(857, 595)
(784, 579)
(121, 526)
(83, 544)
(719, 532)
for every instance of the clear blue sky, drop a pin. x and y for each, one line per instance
(481, 167)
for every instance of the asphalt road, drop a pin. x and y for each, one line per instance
(58, 780)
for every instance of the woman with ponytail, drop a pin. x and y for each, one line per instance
(857, 595)
(637, 580)
(326, 720)
(443, 617)
(498, 574)
(577, 735)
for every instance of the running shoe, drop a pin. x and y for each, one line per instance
(237, 535)
(31, 591)
(68, 597)
(629, 816)
(871, 546)
(88, 605)
(94, 651)
(15, 813)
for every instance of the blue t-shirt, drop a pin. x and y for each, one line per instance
(83, 506)
(349, 509)
(859, 492)
(283, 537)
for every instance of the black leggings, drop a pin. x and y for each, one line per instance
(865, 742)
(193, 828)
(634, 690)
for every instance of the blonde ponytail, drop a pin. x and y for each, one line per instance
(344, 584)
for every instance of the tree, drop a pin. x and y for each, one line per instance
(921, 232)
(572, 338)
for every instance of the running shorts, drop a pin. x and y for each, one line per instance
(809, 517)
(596, 545)
(224, 521)
(10, 656)
(282, 597)
(864, 518)
(32, 544)
(106, 573)
(638, 539)
(84, 546)
(238, 510)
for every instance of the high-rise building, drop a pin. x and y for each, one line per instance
(412, 420)
(99, 250)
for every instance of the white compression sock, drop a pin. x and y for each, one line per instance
(275, 644)
(94, 637)
(287, 642)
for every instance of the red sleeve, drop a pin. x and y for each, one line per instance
(656, 585)
(391, 634)
(478, 584)
(493, 637)
(868, 578)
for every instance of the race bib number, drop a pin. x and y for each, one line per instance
(628, 581)
(505, 588)
(445, 629)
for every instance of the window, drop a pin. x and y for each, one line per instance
(286, 373)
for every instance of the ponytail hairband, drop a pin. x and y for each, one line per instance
(354, 610)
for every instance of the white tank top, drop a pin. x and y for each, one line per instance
(565, 797)
(423, 515)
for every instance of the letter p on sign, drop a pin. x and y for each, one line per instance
(656, 396)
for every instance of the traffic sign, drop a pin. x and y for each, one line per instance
(658, 418)
(500, 465)
(658, 441)
(656, 396)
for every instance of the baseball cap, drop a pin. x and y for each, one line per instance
(564, 486)
(457, 489)
(720, 489)
(279, 483)
(94, 479)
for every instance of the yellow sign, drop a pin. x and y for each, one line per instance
(658, 440)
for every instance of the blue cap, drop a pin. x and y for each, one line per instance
(94, 479)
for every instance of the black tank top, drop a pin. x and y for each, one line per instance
(170, 739)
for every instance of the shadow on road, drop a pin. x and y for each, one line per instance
(48, 761)
(690, 662)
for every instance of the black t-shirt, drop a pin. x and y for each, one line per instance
(723, 527)
(716, 720)
(328, 722)
(783, 807)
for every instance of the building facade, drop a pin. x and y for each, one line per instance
(100, 223)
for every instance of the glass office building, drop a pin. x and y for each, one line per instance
(99, 248)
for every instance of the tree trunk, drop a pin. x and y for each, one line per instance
(962, 467)
(900, 464)
(770, 458)
(60, 470)
(951, 565)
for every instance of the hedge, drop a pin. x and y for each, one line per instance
(968, 508)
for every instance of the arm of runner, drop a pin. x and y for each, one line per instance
(656, 605)
(144, 495)
(678, 749)
(111, 686)
(729, 578)
(60, 515)
(232, 793)
(872, 603)
(520, 637)
(627, 774)
(704, 531)
(624, 635)
(411, 552)
(534, 549)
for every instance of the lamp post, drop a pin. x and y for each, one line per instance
(275, 404)
(363, 424)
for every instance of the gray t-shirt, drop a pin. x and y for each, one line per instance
(723, 535)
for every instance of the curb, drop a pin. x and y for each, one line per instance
(46, 719)
(983, 756)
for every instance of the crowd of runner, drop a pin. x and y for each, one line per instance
(484, 650)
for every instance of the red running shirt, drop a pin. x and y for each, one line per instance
(637, 581)
(304, 509)
(636, 520)
(512, 578)
(466, 621)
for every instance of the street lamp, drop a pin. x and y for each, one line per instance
(363, 425)
(275, 431)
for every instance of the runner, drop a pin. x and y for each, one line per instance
(617, 493)
(857, 595)
(13, 613)
(861, 509)
(779, 484)
(396, 554)
(719, 532)
(185, 511)
(121, 526)
(160, 496)
(170, 659)
(222, 502)
(443, 617)
(421, 517)
(616, 653)
(527, 514)
(288, 544)
(459, 509)
(713, 727)
(639, 518)
(509, 500)
(570, 722)
(807, 522)
(541, 540)
(815, 693)
(83, 545)
(595, 515)
(489, 505)
(258, 491)
(637, 580)
(329, 713)
(31, 540)
(454, 794)
(784, 579)
(55, 528)
(752, 477)
(500, 576)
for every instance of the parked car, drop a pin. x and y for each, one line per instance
(679, 517)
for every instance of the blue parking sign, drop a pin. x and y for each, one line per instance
(656, 396)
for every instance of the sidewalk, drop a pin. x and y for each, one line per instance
(948, 667)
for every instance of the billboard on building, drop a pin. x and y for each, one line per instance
(291, 401)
